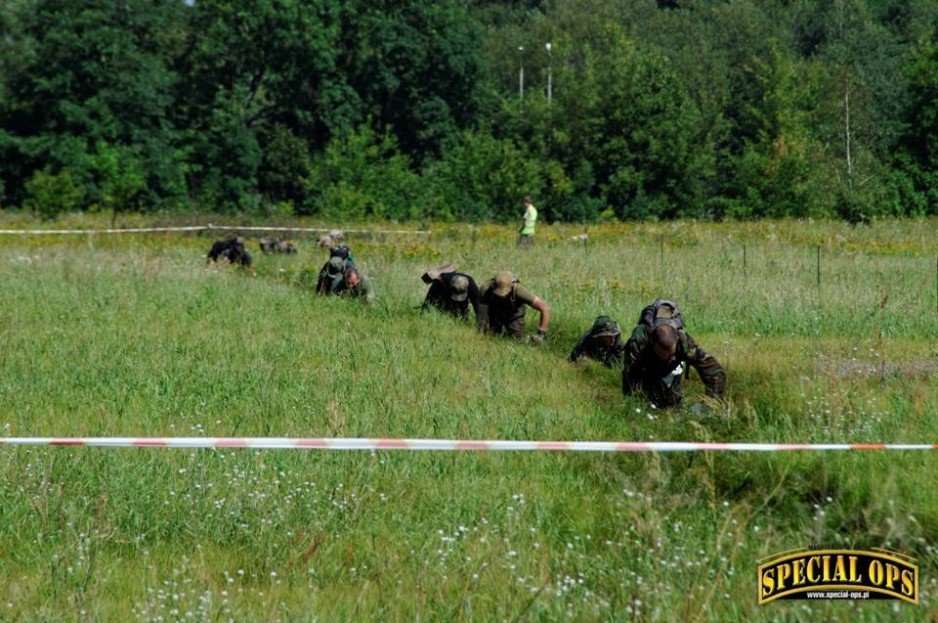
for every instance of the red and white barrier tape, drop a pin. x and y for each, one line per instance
(147, 230)
(347, 443)
(129, 230)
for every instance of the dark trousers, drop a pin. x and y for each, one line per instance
(514, 329)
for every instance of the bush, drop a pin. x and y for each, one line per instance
(119, 176)
(363, 175)
(485, 178)
(48, 195)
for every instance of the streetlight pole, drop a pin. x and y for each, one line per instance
(550, 73)
(521, 73)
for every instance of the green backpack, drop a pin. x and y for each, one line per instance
(662, 311)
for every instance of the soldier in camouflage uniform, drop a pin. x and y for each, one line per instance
(602, 342)
(231, 249)
(451, 292)
(276, 245)
(332, 273)
(502, 305)
(356, 285)
(659, 351)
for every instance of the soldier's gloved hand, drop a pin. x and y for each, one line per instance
(536, 340)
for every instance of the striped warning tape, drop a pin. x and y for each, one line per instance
(128, 230)
(147, 230)
(419, 232)
(349, 443)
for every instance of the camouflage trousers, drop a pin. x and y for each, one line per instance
(514, 328)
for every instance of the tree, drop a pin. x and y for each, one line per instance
(782, 169)
(482, 177)
(362, 174)
(52, 194)
(259, 74)
(859, 114)
(633, 121)
(416, 68)
(917, 160)
(286, 165)
(118, 177)
(89, 73)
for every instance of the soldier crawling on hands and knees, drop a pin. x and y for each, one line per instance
(231, 249)
(602, 342)
(502, 306)
(451, 292)
(356, 285)
(658, 352)
(333, 272)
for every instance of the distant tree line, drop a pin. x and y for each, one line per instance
(407, 109)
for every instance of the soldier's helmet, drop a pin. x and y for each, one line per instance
(605, 326)
(459, 288)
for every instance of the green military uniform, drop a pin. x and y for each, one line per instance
(331, 275)
(502, 307)
(661, 381)
(364, 290)
(595, 343)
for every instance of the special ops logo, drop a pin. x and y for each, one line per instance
(838, 574)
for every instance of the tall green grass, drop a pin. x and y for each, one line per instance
(137, 336)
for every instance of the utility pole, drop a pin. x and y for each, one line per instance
(847, 131)
(521, 73)
(550, 72)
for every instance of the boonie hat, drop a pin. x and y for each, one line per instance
(459, 288)
(604, 326)
(502, 283)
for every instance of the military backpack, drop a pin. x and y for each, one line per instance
(661, 312)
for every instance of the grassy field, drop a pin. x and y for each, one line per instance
(136, 336)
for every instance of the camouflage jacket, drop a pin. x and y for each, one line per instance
(644, 371)
(332, 274)
(439, 296)
(364, 290)
(591, 347)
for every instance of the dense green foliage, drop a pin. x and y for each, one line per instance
(658, 109)
(127, 335)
